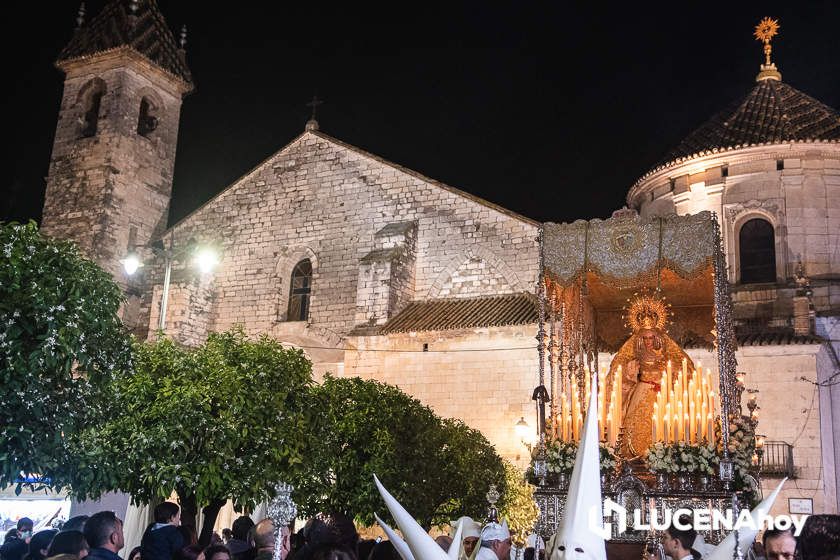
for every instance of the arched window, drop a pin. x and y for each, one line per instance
(757, 248)
(91, 98)
(299, 291)
(147, 121)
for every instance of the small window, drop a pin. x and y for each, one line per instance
(672, 183)
(299, 291)
(780, 164)
(90, 120)
(147, 121)
(724, 171)
(90, 102)
(757, 252)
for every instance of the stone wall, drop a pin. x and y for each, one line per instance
(484, 377)
(790, 411)
(320, 199)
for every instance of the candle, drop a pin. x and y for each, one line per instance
(678, 421)
(686, 431)
(692, 429)
(666, 434)
(653, 428)
(711, 428)
(703, 413)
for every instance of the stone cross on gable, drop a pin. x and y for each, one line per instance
(314, 104)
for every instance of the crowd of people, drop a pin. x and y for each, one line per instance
(327, 537)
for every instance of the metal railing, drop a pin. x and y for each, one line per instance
(777, 460)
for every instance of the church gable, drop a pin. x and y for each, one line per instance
(379, 236)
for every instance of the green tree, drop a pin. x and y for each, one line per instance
(518, 505)
(224, 420)
(438, 469)
(61, 341)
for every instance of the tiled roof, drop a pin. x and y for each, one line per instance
(446, 314)
(777, 339)
(146, 32)
(772, 112)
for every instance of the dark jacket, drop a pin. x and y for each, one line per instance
(14, 549)
(160, 542)
(101, 554)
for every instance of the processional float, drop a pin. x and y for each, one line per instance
(622, 299)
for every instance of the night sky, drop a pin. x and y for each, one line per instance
(552, 110)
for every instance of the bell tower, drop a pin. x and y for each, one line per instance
(110, 174)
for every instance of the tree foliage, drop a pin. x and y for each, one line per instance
(61, 340)
(224, 420)
(518, 505)
(438, 469)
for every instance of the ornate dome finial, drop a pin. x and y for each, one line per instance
(183, 41)
(80, 17)
(765, 31)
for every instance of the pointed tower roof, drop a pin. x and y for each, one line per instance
(137, 24)
(771, 113)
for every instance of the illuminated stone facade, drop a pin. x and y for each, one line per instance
(379, 238)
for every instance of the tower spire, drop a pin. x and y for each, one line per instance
(80, 17)
(766, 29)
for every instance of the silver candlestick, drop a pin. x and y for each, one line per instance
(282, 510)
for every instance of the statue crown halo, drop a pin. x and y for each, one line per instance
(647, 312)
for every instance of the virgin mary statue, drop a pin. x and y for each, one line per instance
(641, 361)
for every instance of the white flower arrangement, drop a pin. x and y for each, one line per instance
(682, 457)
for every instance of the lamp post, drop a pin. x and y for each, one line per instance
(204, 258)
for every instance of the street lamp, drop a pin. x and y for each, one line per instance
(131, 263)
(205, 258)
(522, 429)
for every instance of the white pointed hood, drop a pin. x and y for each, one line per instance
(726, 549)
(396, 540)
(575, 539)
(420, 544)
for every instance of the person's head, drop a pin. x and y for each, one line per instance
(40, 543)
(69, 542)
(24, 527)
(191, 552)
(105, 530)
(470, 533)
(264, 535)
(338, 529)
(444, 541)
(227, 534)
(135, 554)
(678, 539)
(241, 527)
(75, 523)
(188, 534)
(216, 552)
(168, 512)
(497, 538)
(820, 537)
(331, 551)
(779, 544)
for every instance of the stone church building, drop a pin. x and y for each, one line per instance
(375, 270)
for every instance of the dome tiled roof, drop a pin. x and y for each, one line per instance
(145, 31)
(772, 112)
